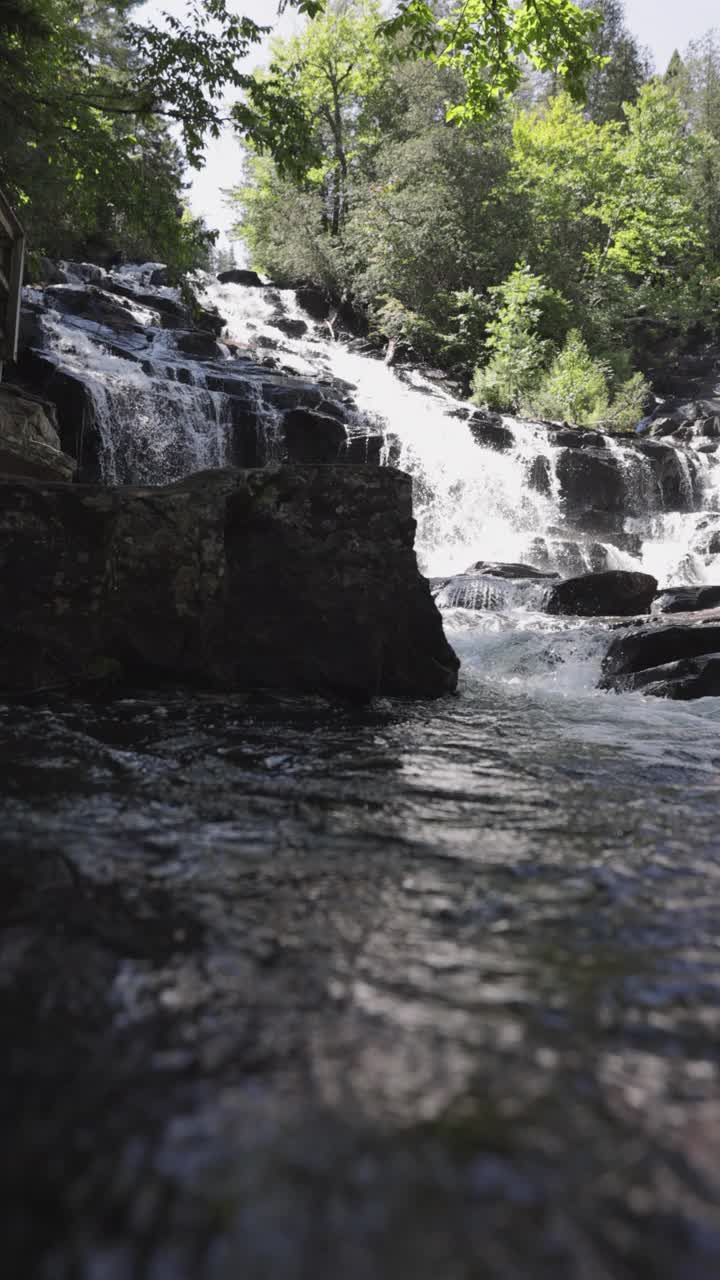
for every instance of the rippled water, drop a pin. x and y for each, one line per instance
(425, 990)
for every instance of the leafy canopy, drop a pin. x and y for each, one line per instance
(489, 42)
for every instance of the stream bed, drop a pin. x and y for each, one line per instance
(420, 990)
(294, 990)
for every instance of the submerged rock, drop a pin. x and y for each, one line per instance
(680, 662)
(294, 578)
(591, 595)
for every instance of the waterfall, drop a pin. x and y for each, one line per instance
(155, 418)
(477, 503)
(161, 414)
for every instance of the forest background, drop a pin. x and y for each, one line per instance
(543, 245)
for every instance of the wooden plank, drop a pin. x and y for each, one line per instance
(11, 276)
(16, 276)
(9, 221)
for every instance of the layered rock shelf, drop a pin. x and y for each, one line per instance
(291, 578)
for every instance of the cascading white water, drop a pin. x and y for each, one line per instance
(155, 418)
(475, 503)
(158, 421)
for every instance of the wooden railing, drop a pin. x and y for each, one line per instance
(12, 255)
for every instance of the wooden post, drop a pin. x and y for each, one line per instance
(12, 258)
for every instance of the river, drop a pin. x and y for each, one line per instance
(421, 990)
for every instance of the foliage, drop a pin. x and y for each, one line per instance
(489, 41)
(86, 96)
(517, 348)
(623, 65)
(613, 209)
(330, 73)
(575, 386)
(628, 405)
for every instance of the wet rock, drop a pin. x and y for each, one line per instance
(316, 303)
(239, 275)
(49, 272)
(490, 432)
(671, 469)
(199, 345)
(486, 591)
(655, 646)
(496, 570)
(539, 476)
(313, 437)
(173, 314)
(209, 319)
(92, 304)
(86, 272)
(29, 440)
(683, 680)
(577, 438)
(366, 449)
(679, 662)
(590, 481)
(74, 408)
(159, 278)
(295, 578)
(616, 593)
(687, 599)
(292, 328)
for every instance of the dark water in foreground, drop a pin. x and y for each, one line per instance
(424, 992)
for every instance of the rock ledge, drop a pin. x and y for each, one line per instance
(294, 578)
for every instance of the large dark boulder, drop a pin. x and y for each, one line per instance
(654, 646)
(314, 302)
(239, 275)
(295, 578)
(490, 432)
(74, 408)
(673, 474)
(290, 327)
(682, 680)
(668, 662)
(687, 599)
(198, 344)
(613, 593)
(173, 314)
(313, 437)
(590, 481)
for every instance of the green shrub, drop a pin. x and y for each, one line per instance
(575, 386)
(628, 405)
(518, 350)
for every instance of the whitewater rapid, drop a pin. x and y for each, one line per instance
(158, 420)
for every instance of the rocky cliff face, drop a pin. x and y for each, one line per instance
(29, 440)
(295, 578)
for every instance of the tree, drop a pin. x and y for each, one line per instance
(331, 73)
(517, 346)
(562, 165)
(647, 209)
(623, 67)
(489, 42)
(86, 95)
